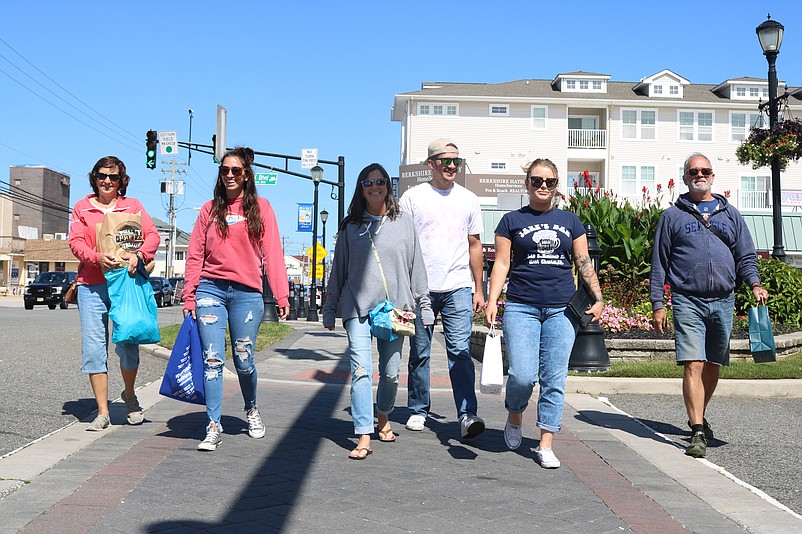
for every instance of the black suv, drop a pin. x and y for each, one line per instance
(48, 288)
(162, 290)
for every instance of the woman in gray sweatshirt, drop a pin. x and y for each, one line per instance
(357, 284)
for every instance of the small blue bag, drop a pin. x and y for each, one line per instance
(133, 308)
(381, 322)
(761, 335)
(183, 377)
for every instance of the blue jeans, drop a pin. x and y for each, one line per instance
(93, 309)
(539, 343)
(221, 302)
(359, 353)
(456, 309)
(702, 329)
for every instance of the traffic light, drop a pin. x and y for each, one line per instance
(150, 150)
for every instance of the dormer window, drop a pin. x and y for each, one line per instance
(570, 84)
(583, 85)
(658, 89)
(597, 85)
(673, 89)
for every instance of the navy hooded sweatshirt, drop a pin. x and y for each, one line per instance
(693, 260)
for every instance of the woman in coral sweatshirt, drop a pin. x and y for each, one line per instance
(236, 232)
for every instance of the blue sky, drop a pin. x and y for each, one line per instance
(302, 74)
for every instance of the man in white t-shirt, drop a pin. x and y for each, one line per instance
(448, 220)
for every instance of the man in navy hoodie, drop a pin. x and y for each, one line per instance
(701, 246)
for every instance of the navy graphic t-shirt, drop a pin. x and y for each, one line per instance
(541, 255)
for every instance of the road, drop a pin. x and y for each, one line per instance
(42, 388)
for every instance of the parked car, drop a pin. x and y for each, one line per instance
(48, 288)
(178, 286)
(162, 290)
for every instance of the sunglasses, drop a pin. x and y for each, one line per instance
(102, 176)
(378, 181)
(695, 172)
(537, 182)
(446, 162)
(236, 171)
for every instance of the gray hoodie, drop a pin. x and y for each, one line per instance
(356, 280)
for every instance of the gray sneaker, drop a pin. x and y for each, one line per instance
(698, 446)
(135, 414)
(101, 422)
(256, 429)
(471, 426)
(211, 441)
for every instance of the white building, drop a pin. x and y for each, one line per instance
(628, 135)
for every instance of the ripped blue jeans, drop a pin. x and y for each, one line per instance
(219, 303)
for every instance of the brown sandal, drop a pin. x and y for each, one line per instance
(360, 453)
(387, 436)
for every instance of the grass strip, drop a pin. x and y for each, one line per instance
(269, 333)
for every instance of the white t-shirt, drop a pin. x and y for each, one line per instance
(444, 218)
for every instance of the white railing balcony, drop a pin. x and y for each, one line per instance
(587, 139)
(750, 200)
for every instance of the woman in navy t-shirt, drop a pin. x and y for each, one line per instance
(541, 244)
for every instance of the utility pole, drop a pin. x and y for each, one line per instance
(172, 187)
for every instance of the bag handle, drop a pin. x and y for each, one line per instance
(376, 253)
(707, 225)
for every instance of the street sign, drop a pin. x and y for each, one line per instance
(319, 271)
(321, 252)
(308, 158)
(266, 178)
(168, 143)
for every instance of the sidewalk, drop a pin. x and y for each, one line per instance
(616, 474)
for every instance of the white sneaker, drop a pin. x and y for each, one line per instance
(416, 422)
(471, 426)
(513, 435)
(546, 458)
(211, 441)
(255, 427)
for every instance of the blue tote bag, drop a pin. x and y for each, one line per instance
(183, 377)
(761, 335)
(133, 308)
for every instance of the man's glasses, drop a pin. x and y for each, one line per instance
(537, 182)
(236, 171)
(695, 172)
(378, 181)
(102, 176)
(446, 162)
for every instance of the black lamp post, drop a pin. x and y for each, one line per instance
(317, 176)
(770, 35)
(324, 216)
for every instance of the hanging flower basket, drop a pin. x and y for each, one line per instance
(783, 141)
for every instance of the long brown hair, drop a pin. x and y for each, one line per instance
(250, 199)
(358, 203)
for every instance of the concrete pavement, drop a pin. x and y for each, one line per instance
(616, 476)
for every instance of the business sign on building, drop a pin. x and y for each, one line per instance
(483, 185)
(412, 175)
(791, 198)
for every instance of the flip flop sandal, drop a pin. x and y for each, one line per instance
(387, 436)
(359, 455)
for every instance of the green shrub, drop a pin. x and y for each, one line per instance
(784, 284)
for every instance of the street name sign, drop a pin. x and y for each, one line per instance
(266, 178)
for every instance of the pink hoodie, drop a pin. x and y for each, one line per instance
(83, 225)
(235, 258)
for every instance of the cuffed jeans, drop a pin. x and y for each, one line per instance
(360, 355)
(456, 310)
(217, 303)
(539, 343)
(93, 309)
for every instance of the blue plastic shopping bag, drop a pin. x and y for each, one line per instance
(183, 377)
(133, 308)
(381, 323)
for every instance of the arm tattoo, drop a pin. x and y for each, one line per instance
(584, 267)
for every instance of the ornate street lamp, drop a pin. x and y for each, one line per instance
(770, 35)
(317, 176)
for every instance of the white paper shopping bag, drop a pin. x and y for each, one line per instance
(492, 377)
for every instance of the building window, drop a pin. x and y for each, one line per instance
(639, 124)
(658, 89)
(597, 85)
(583, 85)
(695, 125)
(634, 178)
(539, 114)
(438, 109)
(740, 91)
(765, 92)
(498, 166)
(754, 92)
(673, 89)
(754, 192)
(499, 110)
(181, 255)
(570, 84)
(740, 123)
(60, 267)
